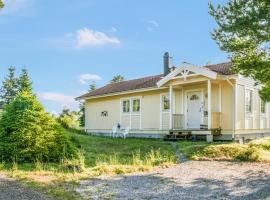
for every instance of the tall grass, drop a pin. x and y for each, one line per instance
(256, 150)
(138, 162)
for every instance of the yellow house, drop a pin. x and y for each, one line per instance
(202, 100)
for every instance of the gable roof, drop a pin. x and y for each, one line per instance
(148, 82)
(135, 84)
(221, 68)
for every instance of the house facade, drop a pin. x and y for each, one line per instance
(198, 99)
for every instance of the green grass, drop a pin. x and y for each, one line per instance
(99, 155)
(103, 149)
(256, 150)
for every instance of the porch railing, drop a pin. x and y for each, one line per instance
(216, 119)
(177, 121)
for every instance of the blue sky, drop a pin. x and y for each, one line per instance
(66, 46)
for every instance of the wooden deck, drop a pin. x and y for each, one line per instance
(187, 134)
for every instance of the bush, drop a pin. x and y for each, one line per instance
(69, 119)
(229, 152)
(28, 133)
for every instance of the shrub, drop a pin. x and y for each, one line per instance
(28, 133)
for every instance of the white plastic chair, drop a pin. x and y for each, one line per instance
(114, 132)
(126, 132)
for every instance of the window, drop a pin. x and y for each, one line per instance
(263, 107)
(126, 106)
(194, 97)
(248, 100)
(165, 103)
(136, 105)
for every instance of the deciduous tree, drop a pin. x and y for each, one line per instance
(244, 32)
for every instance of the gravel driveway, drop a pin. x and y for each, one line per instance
(13, 190)
(188, 180)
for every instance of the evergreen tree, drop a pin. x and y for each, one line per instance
(9, 88)
(28, 133)
(117, 79)
(92, 88)
(24, 82)
(244, 32)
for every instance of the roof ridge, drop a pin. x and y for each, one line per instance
(135, 79)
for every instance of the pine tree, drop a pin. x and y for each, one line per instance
(24, 82)
(117, 79)
(28, 133)
(9, 88)
(92, 88)
(244, 32)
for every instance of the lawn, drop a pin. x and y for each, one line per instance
(101, 155)
(98, 150)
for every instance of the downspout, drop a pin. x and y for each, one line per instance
(234, 106)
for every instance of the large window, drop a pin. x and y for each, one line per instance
(263, 105)
(131, 105)
(248, 101)
(136, 105)
(126, 105)
(165, 103)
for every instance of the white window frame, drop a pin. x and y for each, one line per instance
(251, 103)
(265, 107)
(131, 113)
(162, 103)
(140, 105)
(122, 106)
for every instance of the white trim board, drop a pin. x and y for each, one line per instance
(197, 70)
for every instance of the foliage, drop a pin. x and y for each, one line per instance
(92, 87)
(117, 79)
(244, 32)
(1, 4)
(24, 82)
(28, 133)
(69, 119)
(82, 114)
(257, 150)
(10, 87)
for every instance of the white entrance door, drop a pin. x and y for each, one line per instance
(194, 110)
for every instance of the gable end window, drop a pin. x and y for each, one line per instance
(248, 101)
(126, 106)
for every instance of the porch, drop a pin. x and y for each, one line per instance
(195, 99)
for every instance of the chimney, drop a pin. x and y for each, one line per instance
(167, 61)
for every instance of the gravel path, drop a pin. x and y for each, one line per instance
(189, 180)
(13, 190)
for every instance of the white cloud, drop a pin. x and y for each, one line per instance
(153, 23)
(86, 37)
(84, 78)
(114, 30)
(57, 97)
(14, 6)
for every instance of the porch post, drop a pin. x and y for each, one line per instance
(209, 104)
(220, 97)
(171, 105)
